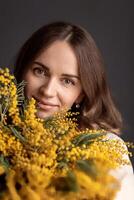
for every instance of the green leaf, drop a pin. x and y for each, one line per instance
(88, 167)
(66, 184)
(49, 122)
(20, 91)
(86, 138)
(62, 164)
(72, 181)
(3, 109)
(4, 161)
(17, 134)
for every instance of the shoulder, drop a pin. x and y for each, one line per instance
(126, 191)
(114, 136)
(124, 174)
(124, 169)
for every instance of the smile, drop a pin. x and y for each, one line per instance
(45, 105)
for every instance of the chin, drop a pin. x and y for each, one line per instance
(43, 115)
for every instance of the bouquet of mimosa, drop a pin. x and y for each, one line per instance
(52, 159)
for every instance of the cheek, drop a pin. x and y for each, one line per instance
(31, 86)
(68, 98)
(28, 91)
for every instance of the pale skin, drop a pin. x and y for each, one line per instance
(53, 79)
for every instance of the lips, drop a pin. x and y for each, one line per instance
(45, 105)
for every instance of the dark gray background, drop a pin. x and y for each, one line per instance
(109, 21)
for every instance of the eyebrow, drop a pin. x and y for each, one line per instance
(47, 68)
(44, 66)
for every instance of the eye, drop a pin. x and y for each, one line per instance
(67, 81)
(39, 71)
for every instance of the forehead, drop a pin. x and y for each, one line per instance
(59, 55)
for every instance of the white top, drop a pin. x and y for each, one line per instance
(125, 175)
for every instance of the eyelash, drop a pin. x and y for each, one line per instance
(39, 72)
(70, 81)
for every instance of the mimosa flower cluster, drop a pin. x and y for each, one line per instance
(52, 159)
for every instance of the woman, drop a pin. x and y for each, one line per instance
(73, 52)
(63, 68)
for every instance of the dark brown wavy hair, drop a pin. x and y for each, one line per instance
(97, 109)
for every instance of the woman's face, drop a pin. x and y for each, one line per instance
(53, 79)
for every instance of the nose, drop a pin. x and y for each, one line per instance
(49, 88)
